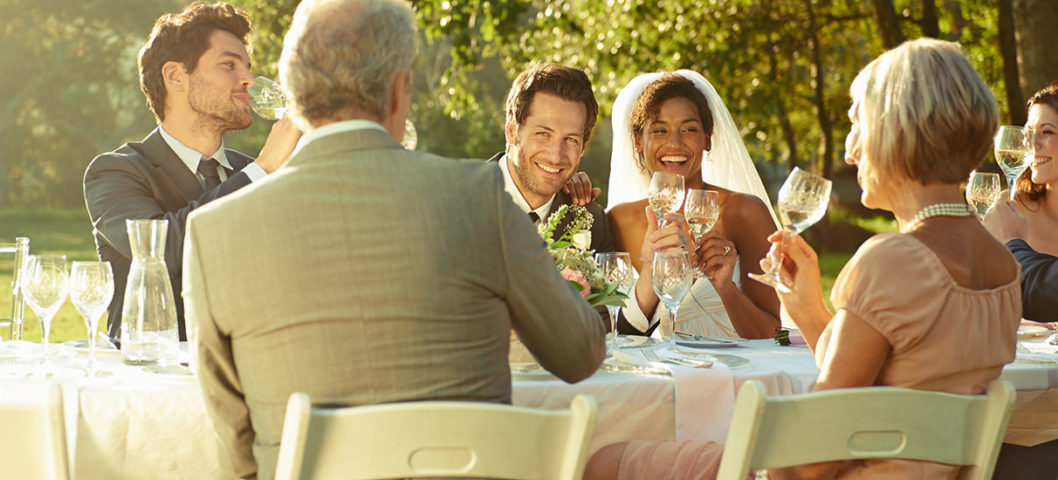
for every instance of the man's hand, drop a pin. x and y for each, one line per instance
(279, 145)
(1005, 222)
(578, 187)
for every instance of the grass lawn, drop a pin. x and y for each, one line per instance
(50, 231)
(69, 232)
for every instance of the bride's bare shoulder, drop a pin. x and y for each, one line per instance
(627, 213)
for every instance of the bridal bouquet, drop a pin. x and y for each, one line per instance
(573, 259)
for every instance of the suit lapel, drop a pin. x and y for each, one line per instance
(169, 166)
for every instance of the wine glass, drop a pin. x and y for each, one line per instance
(982, 191)
(615, 267)
(666, 194)
(803, 200)
(1014, 152)
(702, 211)
(45, 285)
(411, 136)
(671, 276)
(91, 289)
(267, 99)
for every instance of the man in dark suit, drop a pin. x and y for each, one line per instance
(551, 112)
(195, 72)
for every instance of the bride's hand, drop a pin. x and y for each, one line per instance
(716, 257)
(671, 237)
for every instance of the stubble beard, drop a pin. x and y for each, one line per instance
(524, 169)
(215, 113)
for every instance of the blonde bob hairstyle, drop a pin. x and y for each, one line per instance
(923, 113)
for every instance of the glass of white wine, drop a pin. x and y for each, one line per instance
(1014, 152)
(702, 210)
(982, 191)
(666, 194)
(803, 200)
(46, 283)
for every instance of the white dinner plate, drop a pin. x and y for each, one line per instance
(103, 347)
(529, 371)
(708, 341)
(1026, 332)
(732, 361)
(638, 341)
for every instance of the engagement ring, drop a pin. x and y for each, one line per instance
(727, 250)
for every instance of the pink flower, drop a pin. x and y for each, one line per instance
(577, 277)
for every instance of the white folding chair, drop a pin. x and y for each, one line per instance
(868, 422)
(20, 249)
(435, 439)
(33, 433)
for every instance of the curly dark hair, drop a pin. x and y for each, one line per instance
(568, 83)
(668, 86)
(183, 37)
(1026, 188)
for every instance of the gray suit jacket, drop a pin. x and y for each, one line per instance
(376, 275)
(146, 180)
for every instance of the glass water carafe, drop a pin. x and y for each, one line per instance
(148, 316)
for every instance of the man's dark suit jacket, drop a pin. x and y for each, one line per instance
(601, 239)
(147, 180)
(1039, 282)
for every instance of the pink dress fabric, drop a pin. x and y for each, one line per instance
(944, 338)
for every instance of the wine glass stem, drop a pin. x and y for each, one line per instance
(613, 326)
(44, 324)
(672, 325)
(1011, 180)
(91, 347)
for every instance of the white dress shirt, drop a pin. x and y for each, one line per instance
(516, 195)
(191, 157)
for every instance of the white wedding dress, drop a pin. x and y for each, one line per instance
(728, 166)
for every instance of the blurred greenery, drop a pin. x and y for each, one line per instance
(50, 231)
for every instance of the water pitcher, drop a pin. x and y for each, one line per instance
(148, 316)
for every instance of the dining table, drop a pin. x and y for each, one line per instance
(133, 422)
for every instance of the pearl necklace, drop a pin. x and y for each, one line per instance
(951, 209)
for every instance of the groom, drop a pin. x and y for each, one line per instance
(551, 112)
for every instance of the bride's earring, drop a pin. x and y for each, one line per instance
(705, 156)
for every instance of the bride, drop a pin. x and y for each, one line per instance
(676, 122)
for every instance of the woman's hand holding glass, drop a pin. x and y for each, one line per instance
(715, 256)
(803, 201)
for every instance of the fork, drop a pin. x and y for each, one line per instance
(649, 354)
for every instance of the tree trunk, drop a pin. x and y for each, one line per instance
(929, 23)
(1008, 50)
(819, 85)
(888, 23)
(784, 115)
(1036, 37)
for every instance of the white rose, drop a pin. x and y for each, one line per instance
(582, 240)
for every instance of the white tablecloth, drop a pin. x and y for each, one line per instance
(134, 424)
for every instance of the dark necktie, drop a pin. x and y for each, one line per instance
(534, 217)
(207, 173)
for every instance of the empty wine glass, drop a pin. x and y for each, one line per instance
(803, 200)
(702, 210)
(615, 267)
(666, 194)
(45, 284)
(671, 276)
(1014, 152)
(982, 191)
(91, 289)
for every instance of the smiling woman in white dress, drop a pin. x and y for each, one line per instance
(668, 122)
